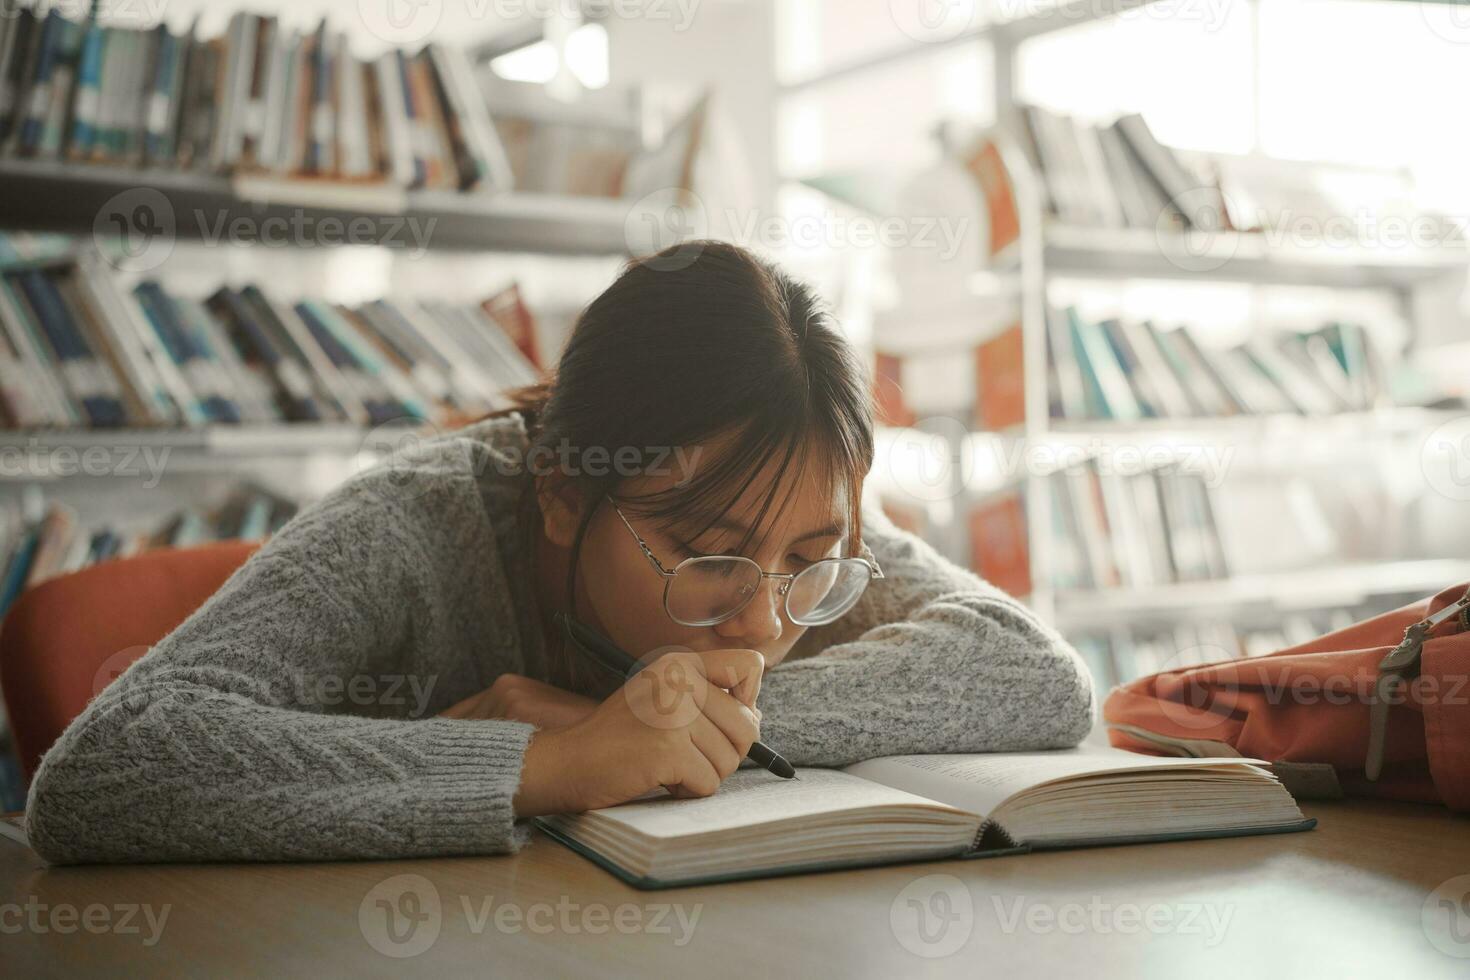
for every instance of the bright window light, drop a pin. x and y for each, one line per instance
(586, 54)
(533, 63)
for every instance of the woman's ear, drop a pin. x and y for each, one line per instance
(561, 509)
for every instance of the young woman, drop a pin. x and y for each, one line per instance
(385, 677)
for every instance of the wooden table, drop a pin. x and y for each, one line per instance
(1345, 900)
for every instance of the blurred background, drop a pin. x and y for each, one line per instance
(1165, 302)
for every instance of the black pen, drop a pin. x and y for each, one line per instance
(614, 658)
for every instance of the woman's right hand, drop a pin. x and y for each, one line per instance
(684, 722)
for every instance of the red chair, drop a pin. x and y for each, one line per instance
(69, 637)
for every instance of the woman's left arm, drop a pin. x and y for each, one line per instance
(931, 659)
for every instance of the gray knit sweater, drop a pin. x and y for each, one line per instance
(291, 717)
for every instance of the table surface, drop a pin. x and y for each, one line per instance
(1375, 890)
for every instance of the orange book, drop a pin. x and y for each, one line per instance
(510, 311)
(1000, 381)
(998, 550)
(1000, 198)
(888, 391)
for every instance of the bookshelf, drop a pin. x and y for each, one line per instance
(1012, 284)
(1044, 250)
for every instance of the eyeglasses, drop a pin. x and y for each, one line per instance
(709, 589)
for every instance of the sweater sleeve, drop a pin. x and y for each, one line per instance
(932, 659)
(249, 732)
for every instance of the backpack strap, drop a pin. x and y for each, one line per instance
(1394, 670)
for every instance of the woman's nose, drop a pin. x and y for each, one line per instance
(760, 620)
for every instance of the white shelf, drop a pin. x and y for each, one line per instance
(69, 197)
(1230, 256)
(1315, 588)
(1240, 428)
(64, 453)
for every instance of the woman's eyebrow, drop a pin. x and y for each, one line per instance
(832, 530)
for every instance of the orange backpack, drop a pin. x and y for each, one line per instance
(1380, 708)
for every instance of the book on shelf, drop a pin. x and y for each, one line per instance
(1113, 176)
(888, 396)
(260, 99)
(1000, 381)
(41, 539)
(1110, 530)
(79, 350)
(999, 551)
(1127, 369)
(927, 807)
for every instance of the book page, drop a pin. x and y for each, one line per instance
(750, 797)
(981, 783)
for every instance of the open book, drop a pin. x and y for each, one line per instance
(923, 807)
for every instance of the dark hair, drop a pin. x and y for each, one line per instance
(675, 352)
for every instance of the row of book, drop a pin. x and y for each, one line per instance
(77, 349)
(263, 98)
(41, 539)
(1135, 530)
(1118, 176)
(1126, 369)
